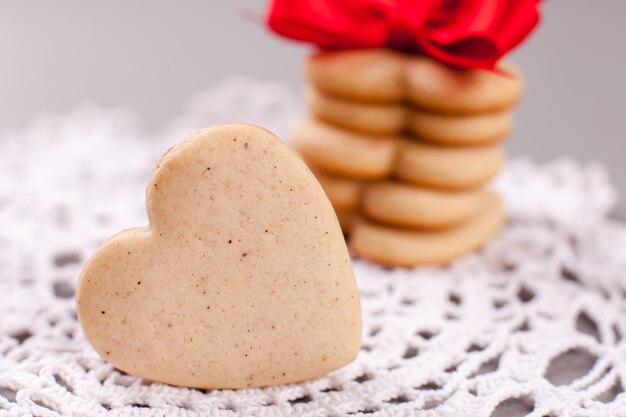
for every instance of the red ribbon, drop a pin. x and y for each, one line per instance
(460, 33)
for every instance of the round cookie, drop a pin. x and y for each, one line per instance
(360, 74)
(400, 247)
(344, 194)
(449, 168)
(475, 129)
(410, 206)
(344, 153)
(376, 118)
(436, 87)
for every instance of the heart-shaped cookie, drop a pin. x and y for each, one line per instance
(386, 76)
(396, 118)
(242, 278)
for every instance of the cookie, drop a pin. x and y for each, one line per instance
(402, 247)
(385, 76)
(439, 88)
(392, 119)
(475, 129)
(382, 119)
(448, 168)
(364, 74)
(410, 206)
(241, 279)
(346, 220)
(344, 194)
(343, 153)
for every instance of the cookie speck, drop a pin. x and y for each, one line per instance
(129, 252)
(208, 168)
(245, 145)
(138, 282)
(266, 230)
(244, 254)
(230, 241)
(103, 312)
(234, 139)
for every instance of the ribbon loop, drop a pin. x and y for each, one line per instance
(460, 33)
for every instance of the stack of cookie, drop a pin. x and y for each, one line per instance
(403, 147)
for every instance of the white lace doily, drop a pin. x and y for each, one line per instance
(534, 323)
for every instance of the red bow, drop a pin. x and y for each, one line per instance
(461, 33)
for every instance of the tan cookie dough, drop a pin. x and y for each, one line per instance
(411, 206)
(475, 129)
(449, 168)
(343, 153)
(401, 247)
(344, 194)
(436, 87)
(382, 119)
(241, 279)
(365, 74)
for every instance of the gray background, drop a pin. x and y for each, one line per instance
(153, 55)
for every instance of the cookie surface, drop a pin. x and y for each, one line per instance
(404, 205)
(475, 129)
(343, 153)
(366, 74)
(375, 118)
(436, 87)
(401, 247)
(448, 168)
(241, 279)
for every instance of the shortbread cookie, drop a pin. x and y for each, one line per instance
(402, 247)
(475, 129)
(344, 194)
(411, 206)
(382, 119)
(346, 220)
(241, 279)
(382, 75)
(344, 153)
(450, 168)
(434, 86)
(365, 74)
(392, 119)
